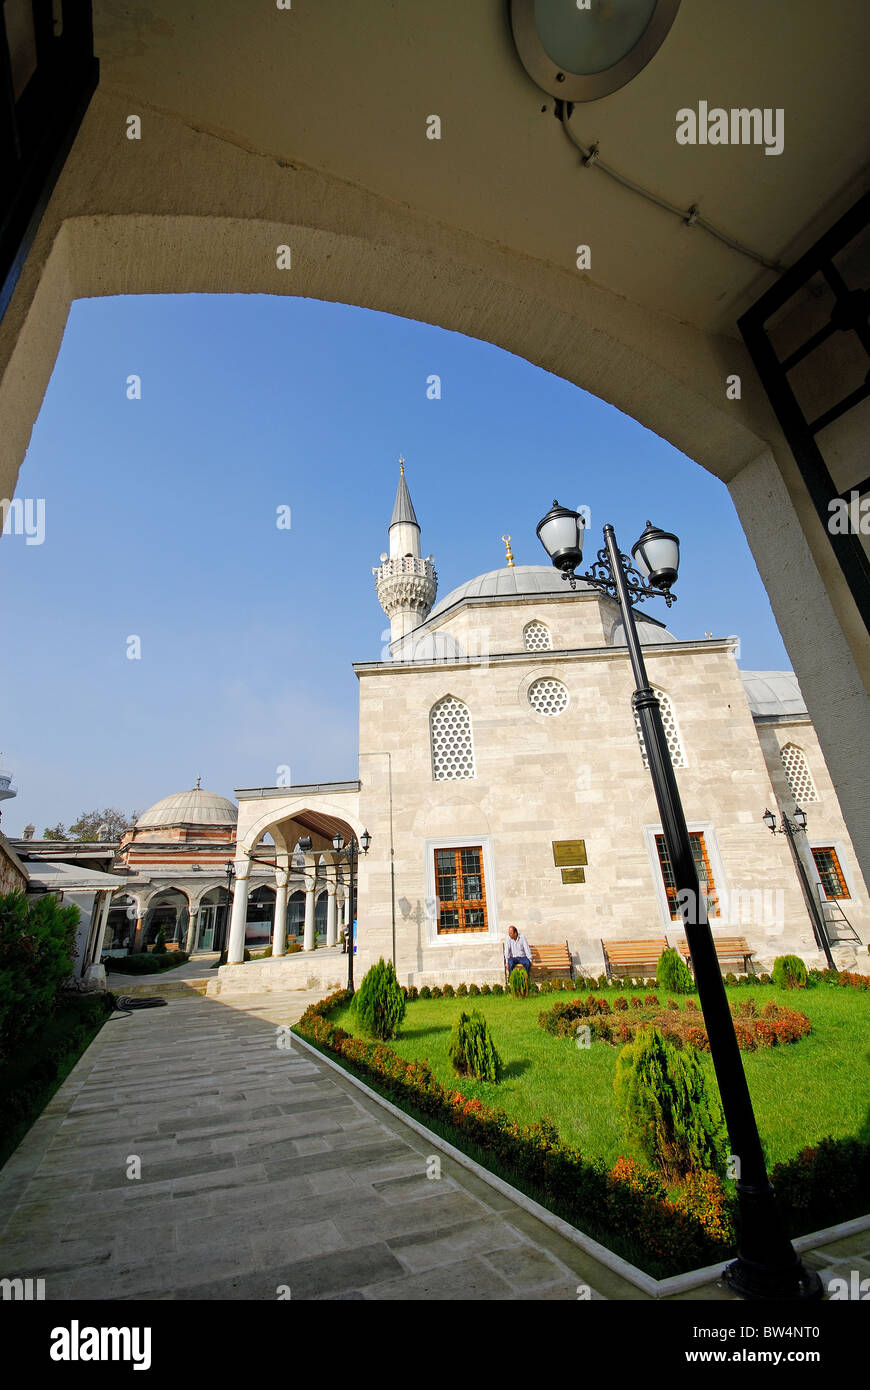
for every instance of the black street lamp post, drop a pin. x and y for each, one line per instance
(789, 828)
(767, 1266)
(350, 849)
(229, 870)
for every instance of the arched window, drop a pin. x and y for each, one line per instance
(672, 733)
(799, 777)
(450, 733)
(536, 637)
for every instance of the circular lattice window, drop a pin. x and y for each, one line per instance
(548, 696)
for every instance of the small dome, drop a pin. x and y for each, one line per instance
(649, 633)
(194, 807)
(773, 693)
(513, 581)
(432, 646)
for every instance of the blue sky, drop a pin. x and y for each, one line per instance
(161, 523)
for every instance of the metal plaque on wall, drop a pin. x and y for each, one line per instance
(568, 852)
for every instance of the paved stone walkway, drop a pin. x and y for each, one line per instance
(260, 1167)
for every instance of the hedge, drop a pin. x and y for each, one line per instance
(625, 1208)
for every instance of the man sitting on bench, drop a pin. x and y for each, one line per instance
(517, 952)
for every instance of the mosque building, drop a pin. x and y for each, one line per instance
(503, 779)
(178, 861)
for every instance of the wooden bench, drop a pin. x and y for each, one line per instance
(733, 950)
(633, 958)
(549, 961)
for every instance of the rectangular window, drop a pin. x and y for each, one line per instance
(705, 874)
(460, 889)
(830, 873)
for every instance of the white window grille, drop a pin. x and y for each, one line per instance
(799, 777)
(672, 733)
(548, 696)
(536, 637)
(450, 733)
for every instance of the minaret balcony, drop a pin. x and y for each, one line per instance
(404, 564)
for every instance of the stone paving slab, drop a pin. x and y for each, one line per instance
(260, 1168)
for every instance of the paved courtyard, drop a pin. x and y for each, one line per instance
(261, 1169)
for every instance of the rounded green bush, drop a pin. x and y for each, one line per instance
(672, 973)
(461, 991)
(379, 1004)
(448, 991)
(425, 992)
(498, 989)
(789, 972)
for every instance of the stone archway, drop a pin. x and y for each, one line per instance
(356, 247)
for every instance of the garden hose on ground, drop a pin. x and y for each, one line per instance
(126, 1003)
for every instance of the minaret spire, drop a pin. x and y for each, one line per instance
(406, 583)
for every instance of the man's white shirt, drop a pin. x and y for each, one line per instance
(520, 947)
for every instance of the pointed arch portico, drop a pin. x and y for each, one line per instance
(315, 812)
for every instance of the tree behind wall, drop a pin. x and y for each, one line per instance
(37, 941)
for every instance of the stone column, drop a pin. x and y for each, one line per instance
(279, 926)
(141, 914)
(310, 939)
(190, 939)
(236, 949)
(101, 930)
(331, 886)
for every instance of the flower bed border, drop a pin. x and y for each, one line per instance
(647, 1283)
(666, 1233)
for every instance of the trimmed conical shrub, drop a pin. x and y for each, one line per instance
(670, 1111)
(471, 1049)
(379, 1004)
(673, 974)
(519, 982)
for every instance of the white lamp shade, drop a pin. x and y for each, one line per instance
(561, 534)
(657, 556)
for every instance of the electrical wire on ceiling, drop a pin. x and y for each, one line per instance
(690, 218)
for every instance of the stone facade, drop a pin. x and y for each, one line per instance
(578, 774)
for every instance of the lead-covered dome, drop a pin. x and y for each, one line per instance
(513, 581)
(194, 807)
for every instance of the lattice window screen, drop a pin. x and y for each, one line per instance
(450, 732)
(800, 780)
(548, 696)
(536, 637)
(672, 733)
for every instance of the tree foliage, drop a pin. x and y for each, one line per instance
(111, 821)
(37, 941)
(669, 1109)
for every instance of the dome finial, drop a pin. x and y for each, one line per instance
(509, 554)
(197, 787)
(401, 465)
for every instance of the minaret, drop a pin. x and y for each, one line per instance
(405, 582)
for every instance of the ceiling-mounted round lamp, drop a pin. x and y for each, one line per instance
(581, 54)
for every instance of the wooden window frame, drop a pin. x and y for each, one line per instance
(836, 867)
(461, 904)
(670, 887)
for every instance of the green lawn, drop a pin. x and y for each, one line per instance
(801, 1092)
